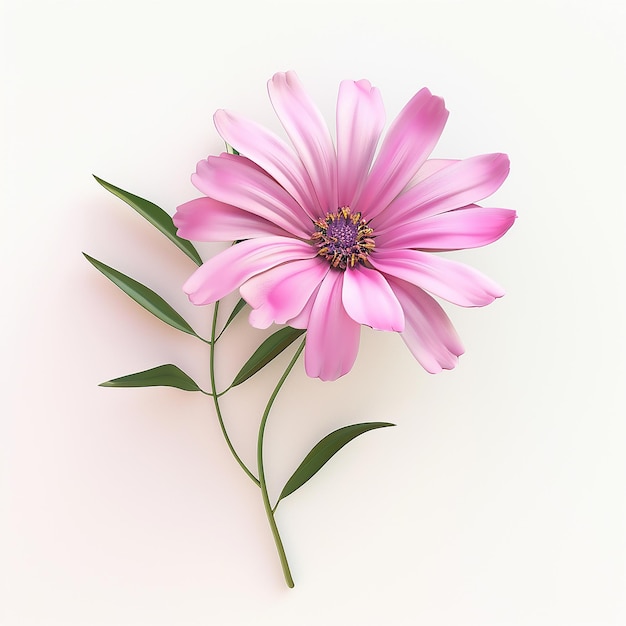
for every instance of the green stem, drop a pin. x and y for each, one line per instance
(216, 401)
(262, 483)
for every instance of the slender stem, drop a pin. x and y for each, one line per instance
(216, 401)
(221, 393)
(262, 483)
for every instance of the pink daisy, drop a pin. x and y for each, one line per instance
(337, 238)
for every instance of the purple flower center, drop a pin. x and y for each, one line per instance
(343, 238)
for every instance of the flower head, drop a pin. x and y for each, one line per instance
(335, 238)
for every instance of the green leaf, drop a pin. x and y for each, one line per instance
(161, 376)
(267, 351)
(156, 216)
(324, 451)
(238, 307)
(144, 296)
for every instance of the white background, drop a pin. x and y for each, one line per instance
(498, 499)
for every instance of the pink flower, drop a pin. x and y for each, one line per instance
(335, 238)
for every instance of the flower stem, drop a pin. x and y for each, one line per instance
(216, 401)
(262, 483)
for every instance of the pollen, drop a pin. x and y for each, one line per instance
(343, 238)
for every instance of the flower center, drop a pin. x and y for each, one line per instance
(343, 238)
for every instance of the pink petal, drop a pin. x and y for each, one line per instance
(368, 299)
(205, 219)
(429, 334)
(230, 269)
(272, 154)
(309, 134)
(470, 227)
(452, 187)
(360, 120)
(283, 291)
(409, 141)
(332, 341)
(302, 319)
(428, 168)
(243, 160)
(231, 180)
(447, 279)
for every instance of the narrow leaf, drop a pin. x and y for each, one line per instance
(161, 376)
(268, 350)
(156, 216)
(238, 307)
(324, 451)
(144, 296)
